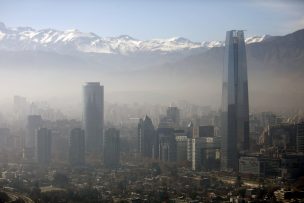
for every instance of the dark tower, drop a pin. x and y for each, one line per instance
(235, 107)
(93, 116)
(147, 142)
(77, 147)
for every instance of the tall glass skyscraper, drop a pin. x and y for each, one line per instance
(93, 116)
(235, 107)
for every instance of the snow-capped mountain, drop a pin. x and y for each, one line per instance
(69, 41)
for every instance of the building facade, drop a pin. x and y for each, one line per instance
(205, 153)
(34, 122)
(173, 113)
(206, 131)
(147, 142)
(167, 144)
(93, 116)
(43, 147)
(235, 106)
(181, 148)
(77, 147)
(112, 148)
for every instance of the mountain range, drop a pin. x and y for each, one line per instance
(73, 40)
(159, 70)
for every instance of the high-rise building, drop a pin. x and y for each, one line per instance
(235, 107)
(281, 137)
(34, 122)
(146, 138)
(93, 116)
(189, 130)
(77, 147)
(181, 147)
(173, 114)
(300, 137)
(206, 131)
(111, 148)
(205, 153)
(43, 146)
(167, 142)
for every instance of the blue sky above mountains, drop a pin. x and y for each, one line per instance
(194, 19)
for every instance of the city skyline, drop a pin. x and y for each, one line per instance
(93, 115)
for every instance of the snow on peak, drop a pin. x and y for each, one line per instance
(256, 39)
(212, 44)
(73, 40)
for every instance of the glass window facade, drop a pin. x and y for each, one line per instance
(235, 107)
(93, 116)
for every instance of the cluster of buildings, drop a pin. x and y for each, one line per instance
(170, 142)
(265, 148)
(92, 139)
(235, 143)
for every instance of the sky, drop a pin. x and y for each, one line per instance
(196, 20)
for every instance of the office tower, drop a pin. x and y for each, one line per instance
(234, 110)
(173, 114)
(111, 148)
(281, 137)
(206, 131)
(34, 122)
(181, 147)
(93, 116)
(300, 137)
(146, 138)
(167, 142)
(77, 147)
(189, 131)
(260, 166)
(205, 153)
(43, 146)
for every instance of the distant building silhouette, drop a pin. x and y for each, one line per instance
(167, 141)
(282, 138)
(181, 147)
(206, 131)
(173, 114)
(34, 122)
(77, 147)
(93, 116)
(147, 141)
(112, 148)
(4, 137)
(43, 146)
(20, 108)
(235, 107)
(205, 153)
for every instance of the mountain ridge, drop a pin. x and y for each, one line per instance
(73, 40)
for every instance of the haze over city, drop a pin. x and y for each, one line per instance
(151, 101)
(119, 61)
